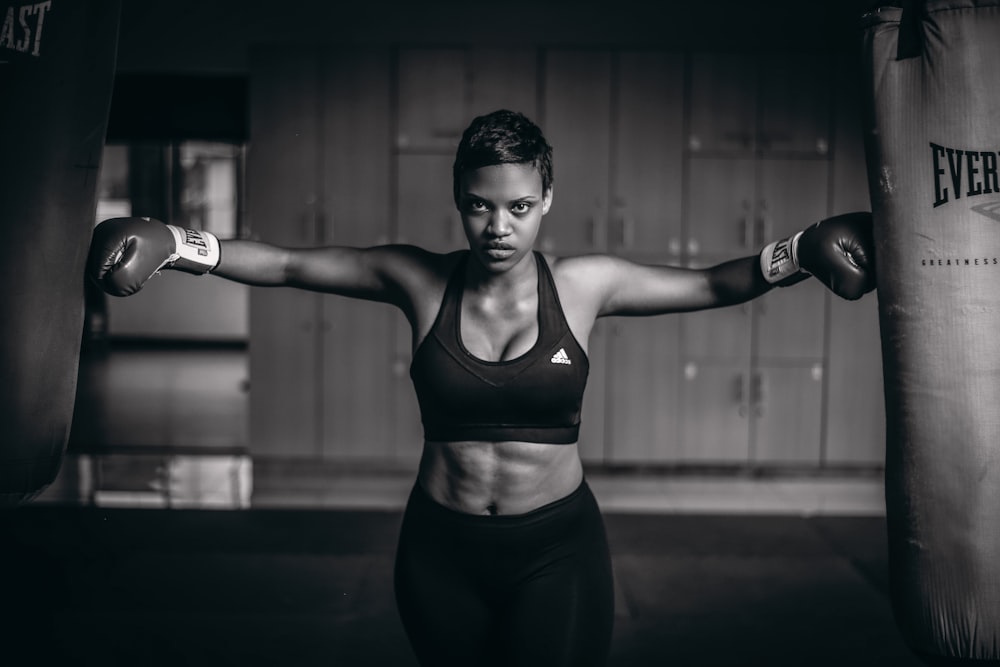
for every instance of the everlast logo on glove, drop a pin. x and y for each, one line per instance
(780, 256)
(779, 261)
(196, 240)
(195, 251)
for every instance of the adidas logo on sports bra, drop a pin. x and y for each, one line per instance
(561, 357)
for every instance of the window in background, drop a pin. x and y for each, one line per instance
(194, 184)
(207, 192)
(112, 184)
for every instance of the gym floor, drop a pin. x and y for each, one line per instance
(708, 571)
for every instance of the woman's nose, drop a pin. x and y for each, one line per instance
(500, 224)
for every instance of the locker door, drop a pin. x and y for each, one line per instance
(283, 196)
(785, 403)
(503, 79)
(643, 383)
(577, 123)
(358, 336)
(721, 204)
(719, 228)
(431, 94)
(794, 104)
(855, 425)
(715, 412)
(791, 323)
(648, 156)
(723, 103)
(426, 214)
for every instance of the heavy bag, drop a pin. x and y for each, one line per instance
(57, 64)
(932, 71)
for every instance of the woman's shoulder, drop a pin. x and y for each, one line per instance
(585, 269)
(419, 267)
(580, 279)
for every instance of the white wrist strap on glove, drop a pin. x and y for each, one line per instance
(195, 251)
(779, 259)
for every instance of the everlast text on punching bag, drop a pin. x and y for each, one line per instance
(933, 151)
(57, 63)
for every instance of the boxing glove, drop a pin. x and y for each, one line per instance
(839, 251)
(126, 252)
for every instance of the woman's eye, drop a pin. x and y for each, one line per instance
(477, 206)
(521, 207)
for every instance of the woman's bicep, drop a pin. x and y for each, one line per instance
(335, 269)
(633, 289)
(359, 272)
(379, 273)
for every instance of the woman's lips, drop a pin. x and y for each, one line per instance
(499, 250)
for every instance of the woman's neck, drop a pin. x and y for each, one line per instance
(521, 276)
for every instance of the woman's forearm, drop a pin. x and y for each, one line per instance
(252, 263)
(737, 281)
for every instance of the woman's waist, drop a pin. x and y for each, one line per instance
(497, 478)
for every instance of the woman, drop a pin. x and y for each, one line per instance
(502, 556)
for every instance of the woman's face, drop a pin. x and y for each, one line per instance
(502, 207)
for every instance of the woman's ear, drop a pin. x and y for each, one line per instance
(547, 200)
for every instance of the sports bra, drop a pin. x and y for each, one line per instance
(535, 397)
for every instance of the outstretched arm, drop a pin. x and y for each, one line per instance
(126, 252)
(838, 251)
(627, 288)
(357, 272)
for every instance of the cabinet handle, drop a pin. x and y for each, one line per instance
(674, 246)
(758, 393)
(745, 224)
(627, 225)
(307, 220)
(320, 227)
(310, 219)
(741, 395)
(763, 225)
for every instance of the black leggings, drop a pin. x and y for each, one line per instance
(531, 589)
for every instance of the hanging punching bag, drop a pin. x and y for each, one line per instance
(57, 63)
(932, 146)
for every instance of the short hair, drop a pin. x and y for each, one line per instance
(502, 137)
